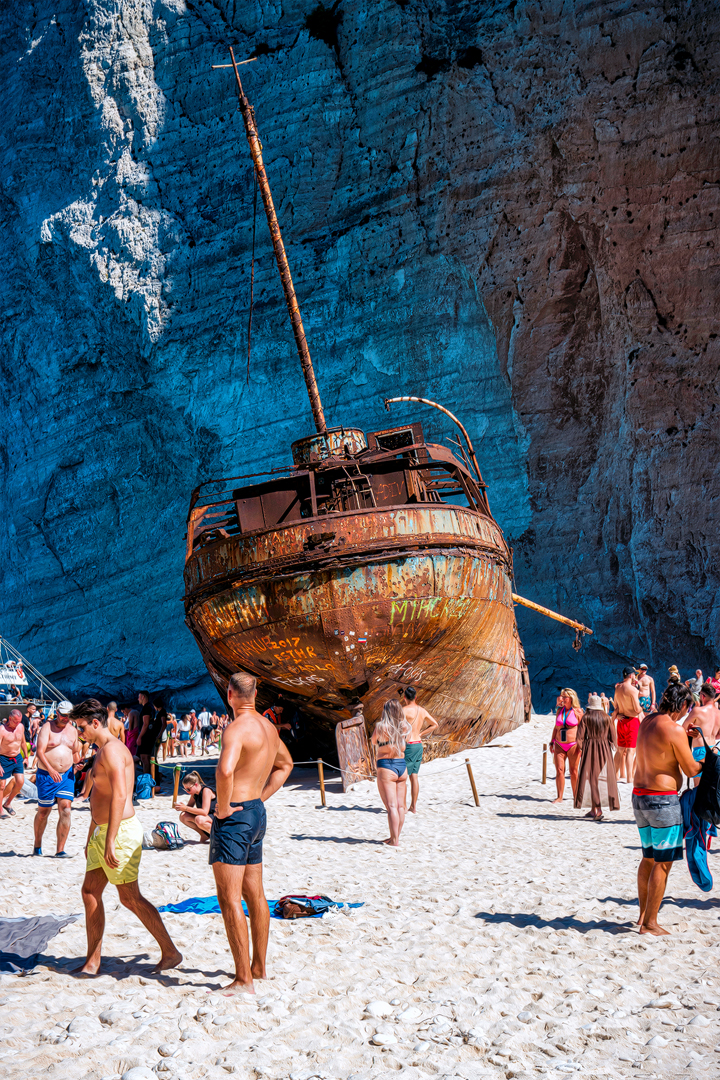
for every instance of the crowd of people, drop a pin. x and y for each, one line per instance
(632, 737)
(629, 736)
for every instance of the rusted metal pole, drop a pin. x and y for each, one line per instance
(248, 115)
(472, 781)
(544, 779)
(321, 775)
(426, 401)
(551, 614)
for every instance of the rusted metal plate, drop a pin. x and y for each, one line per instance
(353, 747)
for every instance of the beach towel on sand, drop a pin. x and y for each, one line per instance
(208, 905)
(22, 940)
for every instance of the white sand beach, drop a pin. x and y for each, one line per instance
(497, 941)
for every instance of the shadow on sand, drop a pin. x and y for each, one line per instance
(522, 920)
(337, 839)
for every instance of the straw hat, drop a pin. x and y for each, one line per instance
(594, 702)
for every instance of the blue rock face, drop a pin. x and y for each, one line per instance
(510, 209)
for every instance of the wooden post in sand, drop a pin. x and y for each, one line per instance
(544, 779)
(153, 766)
(176, 782)
(472, 782)
(321, 775)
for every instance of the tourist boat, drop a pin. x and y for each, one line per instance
(371, 563)
(22, 684)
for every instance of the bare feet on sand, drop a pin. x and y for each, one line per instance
(86, 969)
(235, 988)
(391, 843)
(560, 799)
(170, 961)
(655, 929)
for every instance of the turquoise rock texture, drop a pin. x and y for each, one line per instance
(510, 208)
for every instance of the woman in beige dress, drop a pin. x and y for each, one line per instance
(597, 783)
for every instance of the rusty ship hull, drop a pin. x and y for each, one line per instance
(351, 606)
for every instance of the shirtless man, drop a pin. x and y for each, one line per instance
(627, 713)
(605, 702)
(12, 769)
(662, 751)
(706, 718)
(253, 765)
(646, 690)
(114, 843)
(115, 726)
(420, 721)
(58, 749)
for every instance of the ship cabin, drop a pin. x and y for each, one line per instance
(339, 472)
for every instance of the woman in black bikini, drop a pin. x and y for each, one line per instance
(198, 812)
(388, 738)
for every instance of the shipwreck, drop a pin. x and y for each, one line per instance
(370, 563)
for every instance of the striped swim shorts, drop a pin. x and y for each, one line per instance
(660, 823)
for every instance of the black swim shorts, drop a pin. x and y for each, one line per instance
(237, 839)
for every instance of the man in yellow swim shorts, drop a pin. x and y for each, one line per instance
(114, 843)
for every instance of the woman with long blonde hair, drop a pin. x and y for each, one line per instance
(564, 742)
(389, 739)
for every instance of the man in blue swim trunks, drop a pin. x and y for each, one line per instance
(662, 752)
(253, 765)
(704, 717)
(12, 769)
(58, 749)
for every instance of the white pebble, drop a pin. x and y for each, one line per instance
(657, 1040)
(383, 1038)
(408, 1015)
(378, 1008)
(140, 1072)
(699, 1021)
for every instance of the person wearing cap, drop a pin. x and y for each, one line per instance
(646, 689)
(58, 749)
(627, 715)
(597, 783)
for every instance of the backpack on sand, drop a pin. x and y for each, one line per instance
(302, 907)
(167, 835)
(707, 799)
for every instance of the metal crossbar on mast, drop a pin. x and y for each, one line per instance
(253, 139)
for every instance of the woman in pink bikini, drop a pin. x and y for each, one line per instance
(564, 742)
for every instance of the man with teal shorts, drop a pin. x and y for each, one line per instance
(420, 722)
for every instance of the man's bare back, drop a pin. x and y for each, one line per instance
(627, 702)
(707, 718)
(251, 748)
(113, 753)
(418, 719)
(662, 750)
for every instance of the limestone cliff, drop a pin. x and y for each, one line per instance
(508, 207)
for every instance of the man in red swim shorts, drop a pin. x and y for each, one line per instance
(628, 713)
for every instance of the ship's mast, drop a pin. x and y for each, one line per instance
(248, 116)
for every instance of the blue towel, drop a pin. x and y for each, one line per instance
(697, 841)
(208, 905)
